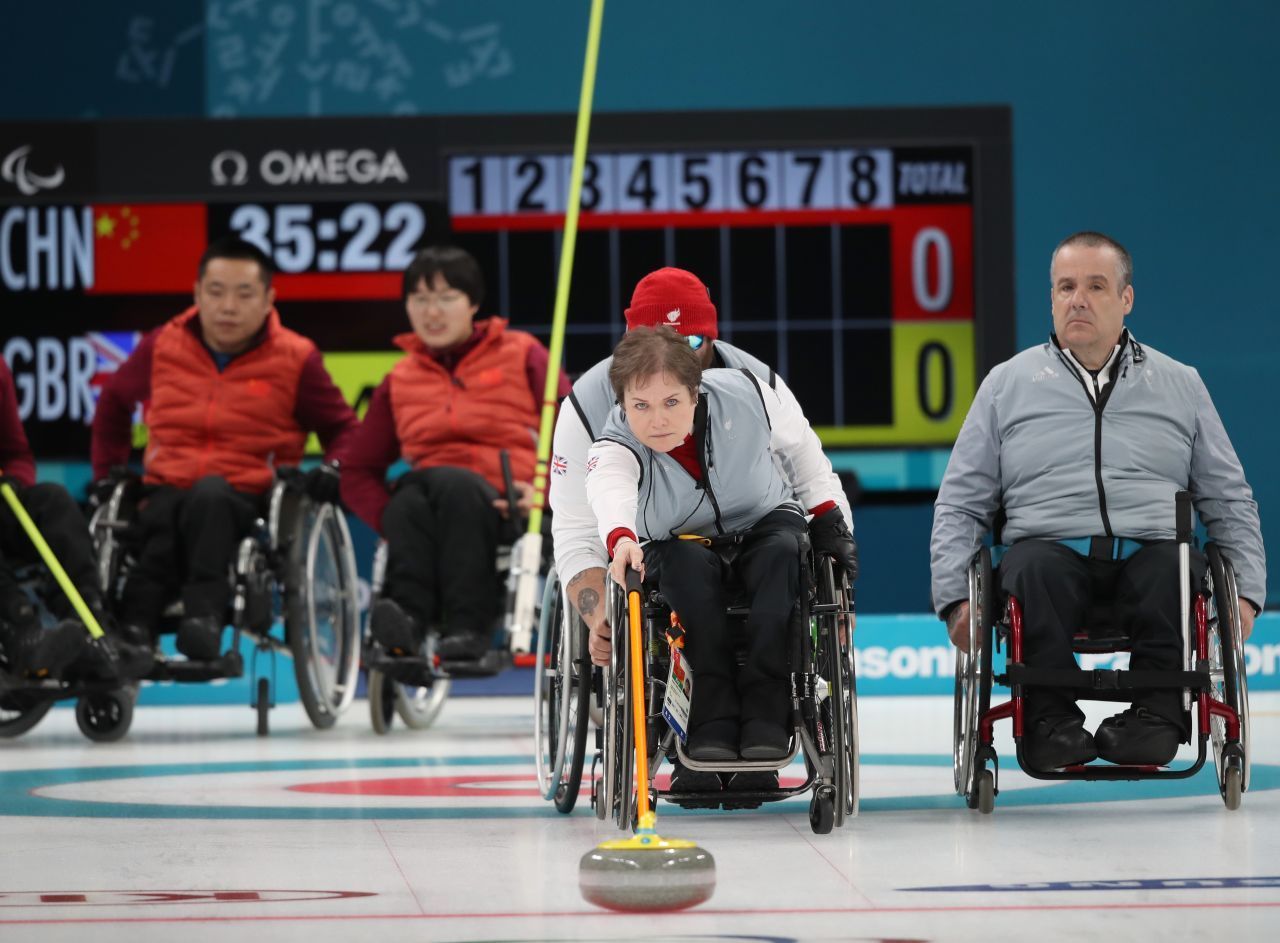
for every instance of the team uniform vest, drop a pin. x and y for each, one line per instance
(592, 396)
(741, 482)
(237, 424)
(466, 418)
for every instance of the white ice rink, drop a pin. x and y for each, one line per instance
(194, 829)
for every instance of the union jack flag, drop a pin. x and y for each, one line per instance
(110, 350)
(592, 462)
(558, 465)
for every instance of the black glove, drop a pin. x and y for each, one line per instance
(100, 491)
(828, 533)
(323, 484)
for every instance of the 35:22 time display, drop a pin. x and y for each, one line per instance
(333, 237)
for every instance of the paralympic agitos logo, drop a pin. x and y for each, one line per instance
(16, 171)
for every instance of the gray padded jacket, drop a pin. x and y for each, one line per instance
(741, 483)
(1035, 444)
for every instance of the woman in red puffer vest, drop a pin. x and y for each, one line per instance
(465, 391)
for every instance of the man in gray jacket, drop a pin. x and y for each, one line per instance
(1083, 442)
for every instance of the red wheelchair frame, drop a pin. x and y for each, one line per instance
(1212, 679)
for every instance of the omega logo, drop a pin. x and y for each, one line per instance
(229, 160)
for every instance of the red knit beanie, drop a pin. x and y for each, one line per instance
(673, 297)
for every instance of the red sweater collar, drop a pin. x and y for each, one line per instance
(686, 453)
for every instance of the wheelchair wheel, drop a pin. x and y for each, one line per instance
(382, 702)
(986, 792)
(616, 797)
(105, 717)
(1229, 683)
(108, 522)
(321, 615)
(419, 707)
(822, 811)
(262, 706)
(841, 708)
(20, 711)
(1231, 787)
(973, 680)
(561, 693)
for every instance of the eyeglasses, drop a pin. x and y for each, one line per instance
(442, 299)
(696, 341)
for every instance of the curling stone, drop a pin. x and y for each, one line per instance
(647, 873)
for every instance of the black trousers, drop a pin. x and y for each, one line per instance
(189, 539)
(692, 578)
(65, 530)
(1056, 585)
(442, 542)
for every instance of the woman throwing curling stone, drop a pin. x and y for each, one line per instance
(688, 454)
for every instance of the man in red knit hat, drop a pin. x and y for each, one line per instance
(229, 396)
(465, 391)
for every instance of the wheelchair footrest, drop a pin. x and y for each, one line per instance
(42, 688)
(727, 799)
(411, 670)
(732, 799)
(229, 665)
(486, 666)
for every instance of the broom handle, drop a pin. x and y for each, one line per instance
(561, 307)
(638, 718)
(46, 554)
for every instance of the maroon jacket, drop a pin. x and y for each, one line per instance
(16, 460)
(319, 408)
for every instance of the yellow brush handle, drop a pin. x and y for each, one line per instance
(59, 574)
(566, 266)
(638, 719)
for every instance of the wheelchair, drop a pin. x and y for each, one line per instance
(1212, 680)
(823, 698)
(104, 706)
(416, 687)
(297, 565)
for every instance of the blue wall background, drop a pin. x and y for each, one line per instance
(1153, 120)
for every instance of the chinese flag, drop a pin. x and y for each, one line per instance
(147, 248)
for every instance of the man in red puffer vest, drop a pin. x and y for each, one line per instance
(229, 395)
(465, 391)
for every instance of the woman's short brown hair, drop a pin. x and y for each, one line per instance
(645, 351)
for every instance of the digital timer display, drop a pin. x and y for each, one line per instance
(329, 237)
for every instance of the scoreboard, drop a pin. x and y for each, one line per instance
(866, 254)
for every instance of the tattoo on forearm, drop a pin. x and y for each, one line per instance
(588, 599)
